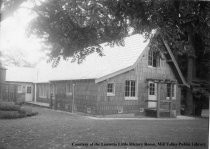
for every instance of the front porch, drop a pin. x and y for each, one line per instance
(162, 98)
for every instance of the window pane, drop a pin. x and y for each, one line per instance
(152, 89)
(132, 88)
(110, 88)
(154, 62)
(28, 89)
(150, 58)
(127, 87)
(173, 91)
(168, 90)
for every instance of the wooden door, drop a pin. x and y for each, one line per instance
(152, 95)
(29, 93)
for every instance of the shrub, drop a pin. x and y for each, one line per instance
(9, 110)
(10, 114)
(16, 114)
(9, 106)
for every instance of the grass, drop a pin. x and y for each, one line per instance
(57, 130)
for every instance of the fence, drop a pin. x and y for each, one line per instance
(8, 92)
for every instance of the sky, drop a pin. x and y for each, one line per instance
(22, 50)
(14, 42)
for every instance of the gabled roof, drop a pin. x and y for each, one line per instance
(177, 69)
(93, 67)
(117, 60)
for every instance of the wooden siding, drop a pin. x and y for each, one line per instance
(116, 103)
(21, 95)
(82, 92)
(143, 72)
(8, 92)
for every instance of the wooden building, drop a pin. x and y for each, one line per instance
(8, 92)
(23, 79)
(130, 79)
(25, 91)
(140, 80)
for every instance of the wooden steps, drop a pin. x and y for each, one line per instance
(163, 113)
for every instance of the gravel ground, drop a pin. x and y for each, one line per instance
(58, 130)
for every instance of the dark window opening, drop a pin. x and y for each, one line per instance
(154, 58)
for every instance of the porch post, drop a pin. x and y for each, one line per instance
(158, 100)
(35, 92)
(170, 102)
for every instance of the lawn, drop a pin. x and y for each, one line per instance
(57, 130)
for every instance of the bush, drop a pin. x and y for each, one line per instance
(9, 110)
(10, 114)
(16, 114)
(9, 106)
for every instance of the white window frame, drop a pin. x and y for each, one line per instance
(174, 92)
(130, 97)
(113, 89)
(154, 90)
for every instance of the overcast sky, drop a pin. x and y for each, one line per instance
(14, 43)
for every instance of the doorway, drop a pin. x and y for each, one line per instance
(152, 95)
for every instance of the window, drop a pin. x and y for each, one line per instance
(110, 89)
(69, 87)
(151, 88)
(154, 58)
(19, 88)
(171, 87)
(29, 90)
(43, 91)
(130, 88)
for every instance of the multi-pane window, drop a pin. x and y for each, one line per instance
(19, 88)
(151, 88)
(130, 88)
(110, 88)
(154, 58)
(29, 89)
(171, 90)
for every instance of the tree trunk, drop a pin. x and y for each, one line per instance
(190, 75)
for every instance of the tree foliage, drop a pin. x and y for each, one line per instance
(8, 7)
(77, 27)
